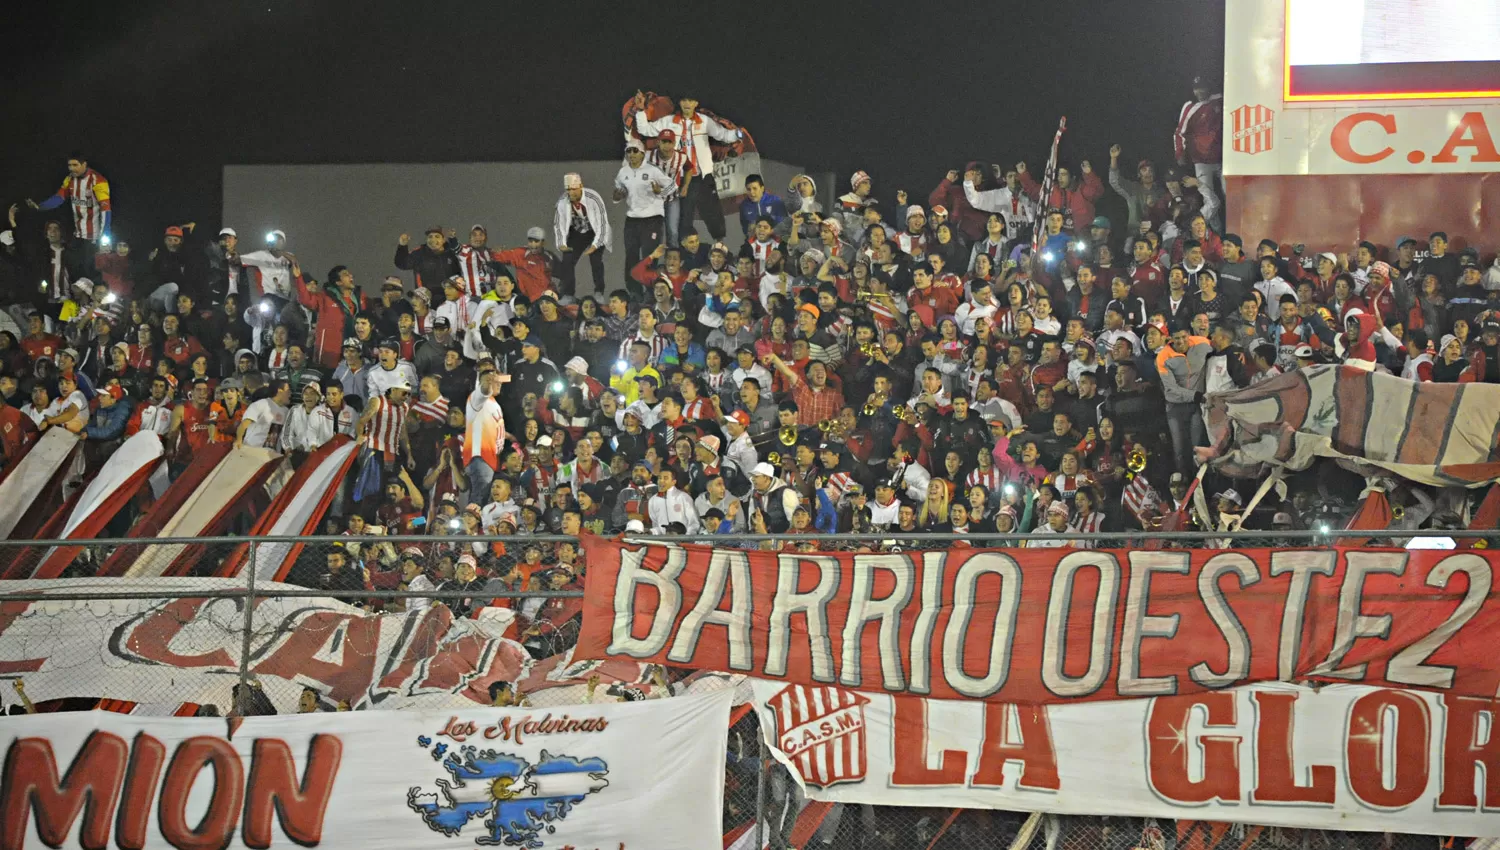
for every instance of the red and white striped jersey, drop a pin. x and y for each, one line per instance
(992, 480)
(675, 166)
(1140, 499)
(1091, 524)
(1069, 485)
(698, 408)
(89, 198)
(385, 425)
(759, 251)
(825, 726)
(658, 343)
(432, 411)
(474, 267)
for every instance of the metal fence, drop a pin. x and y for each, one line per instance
(225, 610)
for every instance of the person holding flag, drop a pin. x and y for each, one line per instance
(693, 132)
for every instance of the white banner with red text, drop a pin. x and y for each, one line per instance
(614, 776)
(1343, 757)
(181, 649)
(1050, 625)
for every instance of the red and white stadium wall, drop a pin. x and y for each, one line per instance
(1383, 157)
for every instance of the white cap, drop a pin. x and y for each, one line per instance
(536, 233)
(544, 442)
(577, 364)
(7, 237)
(765, 469)
(635, 145)
(635, 526)
(572, 180)
(228, 231)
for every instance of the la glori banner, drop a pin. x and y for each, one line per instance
(1039, 626)
(618, 775)
(180, 649)
(1345, 757)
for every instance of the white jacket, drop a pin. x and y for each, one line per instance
(593, 207)
(673, 506)
(703, 129)
(641, 199)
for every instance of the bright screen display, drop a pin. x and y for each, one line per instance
(1392, 49)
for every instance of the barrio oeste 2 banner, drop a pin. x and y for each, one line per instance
(1342, 757)
(619, 775)
(1053, 625)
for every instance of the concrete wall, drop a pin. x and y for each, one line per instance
(353, 214)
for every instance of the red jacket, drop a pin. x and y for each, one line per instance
(1077, 203)
(968, 221)
(328, 338)
(533, 270)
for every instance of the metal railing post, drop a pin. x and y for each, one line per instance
(249, 621)
(760, 786)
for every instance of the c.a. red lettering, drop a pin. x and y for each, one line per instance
(1369, 735)
(91, 786)
(1034, 749)
(1463, 752)
(152, 638)
(1339, 138)
(909, 731)
(1168, 745)
(1275, 759)
(1471, 132)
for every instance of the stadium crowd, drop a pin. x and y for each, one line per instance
(855, 367)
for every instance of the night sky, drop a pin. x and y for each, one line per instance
(162, 93)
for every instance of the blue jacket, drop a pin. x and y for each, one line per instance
(108, 423)
(770, 205)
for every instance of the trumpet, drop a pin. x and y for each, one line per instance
(774, 458)
(869, 410)
(788, 435)
(867, 349)
(1136, 460)
(904, 413)
(827, 425)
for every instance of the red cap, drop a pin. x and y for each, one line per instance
(115, 391)
(174, 230)
(667, 134)
(741, 417)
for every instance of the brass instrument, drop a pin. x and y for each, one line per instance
(788, 435)
(1397, 512)
(904, 413)
(1135, 462)
(872, 408)
(869, 410)
(867, 349)
(827, 425)
(774, 458)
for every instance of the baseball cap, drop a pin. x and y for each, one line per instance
(668, 135)
(765, 469)
(174, 230)
(1282, 518)
(740, 417)
(939, 209)
(1302, 352)
(635, 526)
(228, 231)
(351, 342)
(536, 233)
(441, 322)
(1230, 495)
(1101, 221)
(1468, 260)
(391, 343)
(634, 144)
(1177, 478)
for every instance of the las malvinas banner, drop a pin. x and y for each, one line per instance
(1051, 625)
(1344, 757)
(633, 775)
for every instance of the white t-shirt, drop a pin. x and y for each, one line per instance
(379, 379)
(60, 404)
(266, 419)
